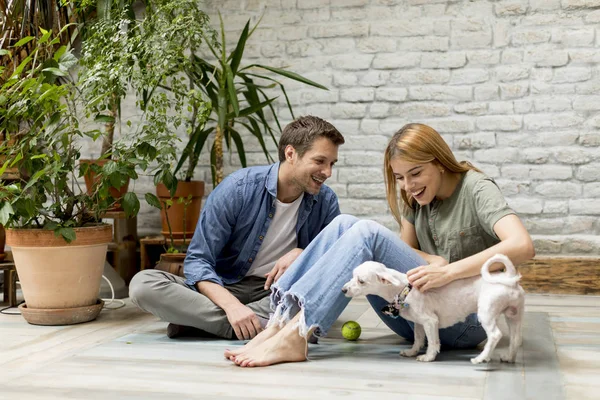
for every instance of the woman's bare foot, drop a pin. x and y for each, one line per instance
(286, 346)
(256, 340)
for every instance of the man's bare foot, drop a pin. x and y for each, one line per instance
(286, 346)
(258, 339)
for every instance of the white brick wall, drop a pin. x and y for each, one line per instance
(514, 86)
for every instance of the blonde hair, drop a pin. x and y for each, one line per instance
(418, 144)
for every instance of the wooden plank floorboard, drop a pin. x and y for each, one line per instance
(125, 354)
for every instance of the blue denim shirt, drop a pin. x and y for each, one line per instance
(235, 219)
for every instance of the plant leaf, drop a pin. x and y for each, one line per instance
(24, 41)
(67, 233)
(66, 61)
(55, 71)
(252, 109)
(110, 168)
(5, 212)
(61, 50)
(231, 89)
(104, 118)
(289, 74)
(236, 55)
(153, 200)
(131, 204)
(45, 36)
(239, 143)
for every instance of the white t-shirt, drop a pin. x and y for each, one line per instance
(280, 237)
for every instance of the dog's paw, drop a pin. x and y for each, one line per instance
(479, 360)
(426, 357)
(506, 357)
(409, 353)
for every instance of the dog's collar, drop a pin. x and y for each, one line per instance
(393, 309)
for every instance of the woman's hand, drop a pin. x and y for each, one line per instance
(430, 276)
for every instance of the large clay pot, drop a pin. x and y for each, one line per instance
(181, 225)
(60, 276)
(91, 179)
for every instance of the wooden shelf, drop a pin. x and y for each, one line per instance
(123, 249)
(10, 282)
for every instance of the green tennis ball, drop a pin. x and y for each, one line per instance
(351, 330)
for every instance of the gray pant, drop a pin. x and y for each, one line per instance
(167, 296)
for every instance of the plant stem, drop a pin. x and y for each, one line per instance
(222, 112)
(169, 225)
(193, 159)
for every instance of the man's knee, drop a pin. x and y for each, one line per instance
(140, 287)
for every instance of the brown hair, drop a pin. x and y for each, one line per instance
(419, 144)
(303, 131)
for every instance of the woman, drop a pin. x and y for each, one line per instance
(453, 218)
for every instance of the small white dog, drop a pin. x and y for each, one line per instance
(488, 295)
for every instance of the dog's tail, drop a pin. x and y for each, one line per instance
(510, 278)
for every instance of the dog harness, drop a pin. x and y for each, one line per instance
(393, 309)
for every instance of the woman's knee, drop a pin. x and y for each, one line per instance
(367, 228)
(344, 221)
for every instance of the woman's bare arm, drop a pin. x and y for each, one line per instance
(515, 243)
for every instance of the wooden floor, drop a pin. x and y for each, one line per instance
(125, 354)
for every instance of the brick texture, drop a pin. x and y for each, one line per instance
(511, 85)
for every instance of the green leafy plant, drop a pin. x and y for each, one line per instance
(148, 57)
(171, 101)
(21, 20)
(37, 104)
(108, 64)
(240, 98)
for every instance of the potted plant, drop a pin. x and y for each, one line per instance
(172, 102)
(54, 228)
(108, 60)
(239, 99)
(18, 21)
(174, 256)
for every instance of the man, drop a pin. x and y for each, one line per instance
(253, 226)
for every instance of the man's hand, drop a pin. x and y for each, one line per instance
(244, 321)
(430, 276)
(281, 266)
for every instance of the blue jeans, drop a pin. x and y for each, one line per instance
(314, 281)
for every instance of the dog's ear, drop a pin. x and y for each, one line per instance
(387, 279)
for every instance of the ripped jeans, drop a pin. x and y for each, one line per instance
(312, 285)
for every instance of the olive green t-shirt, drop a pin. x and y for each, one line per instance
(462, 224)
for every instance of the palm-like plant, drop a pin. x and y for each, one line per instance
(238, 95)
(22, 19)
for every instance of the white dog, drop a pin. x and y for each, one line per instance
(488, 295)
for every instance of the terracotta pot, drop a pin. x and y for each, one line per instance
(55, 274)
(179, 224)
(91, 179)
(171, 262)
